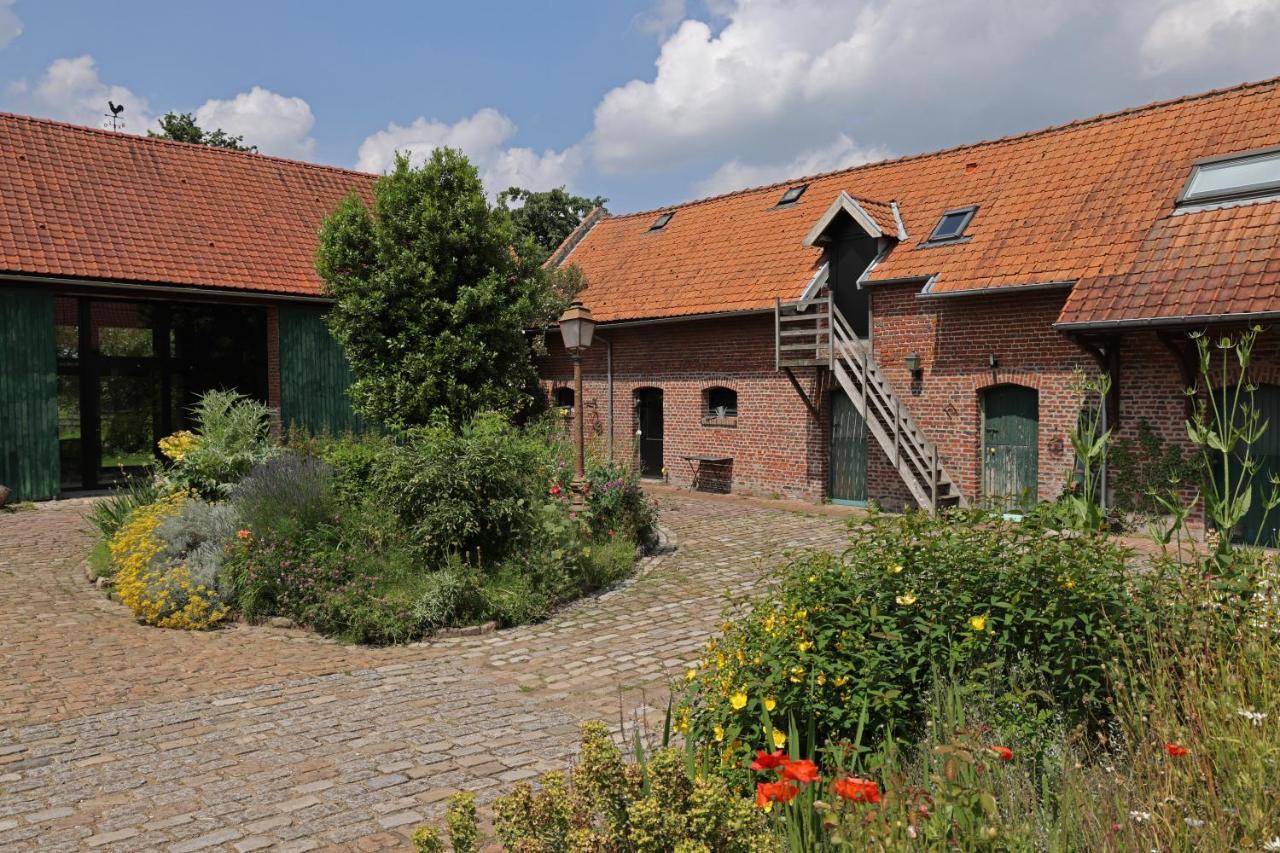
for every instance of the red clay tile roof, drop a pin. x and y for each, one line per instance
(94, 204)
(1091, 201)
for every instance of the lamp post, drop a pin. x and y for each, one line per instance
(576, 329)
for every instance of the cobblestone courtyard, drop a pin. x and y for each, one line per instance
(120, 736)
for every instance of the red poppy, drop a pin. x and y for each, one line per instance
(857, 790)
(555, 491)
(775, 792)
(1005, 753)
(1175, 750)
(804, 771)
(767, 761)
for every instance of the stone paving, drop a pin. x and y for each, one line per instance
(120, 736)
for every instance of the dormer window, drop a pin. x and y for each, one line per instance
(952, 224)
(1233, 176)
(792, 195)
(661, 222)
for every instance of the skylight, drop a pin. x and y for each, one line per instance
(792, 195)
(661, 222)
(952, 224)
(1233, 176)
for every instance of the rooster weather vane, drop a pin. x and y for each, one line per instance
(114, 115)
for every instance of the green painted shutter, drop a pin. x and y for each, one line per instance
(314, 374)
(1010, 452)
(1259, 525)
(28, 394)
(848, 451)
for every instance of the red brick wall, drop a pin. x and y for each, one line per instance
(956, 338)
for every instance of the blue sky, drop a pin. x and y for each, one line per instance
(644, 102)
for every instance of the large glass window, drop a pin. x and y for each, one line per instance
(1233, 177)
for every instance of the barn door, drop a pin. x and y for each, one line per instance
(1259, 525)
(848, 451)
(649, 419)
(1010, 439)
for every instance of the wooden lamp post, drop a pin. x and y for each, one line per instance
(576, 329)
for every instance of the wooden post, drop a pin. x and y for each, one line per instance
(579, 488)
(777, 333)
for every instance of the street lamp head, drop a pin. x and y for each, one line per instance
(577, 327)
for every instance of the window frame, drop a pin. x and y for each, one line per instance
(1244, 193)
(784, 202)
(663, 220)
(969, 211)
(709, 416)
(557, 403)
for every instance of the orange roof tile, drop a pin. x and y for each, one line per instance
(1090, 202)
(94, 204)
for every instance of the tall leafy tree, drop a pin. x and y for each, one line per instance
(546, 217)
(182, 127)
(434, 293)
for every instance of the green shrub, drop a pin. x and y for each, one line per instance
(110, 513)
(233, 434)
(1028, 616)
(617, 507)
(1144, 465)
(286, 496)
(464, 834)
(607, 804)
(199, 535)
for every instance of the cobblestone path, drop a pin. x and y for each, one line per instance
(118, 736)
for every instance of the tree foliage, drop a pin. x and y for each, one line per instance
(182, 127)
(435, 293)
(546, 217)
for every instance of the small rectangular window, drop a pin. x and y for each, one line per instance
(1233, 177)
(721, 403)
(661, 222)
(792, 195)
(952, 224)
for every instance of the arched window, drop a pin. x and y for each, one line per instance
(720, 405)
(564, 398)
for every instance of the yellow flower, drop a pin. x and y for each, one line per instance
(770, 703)
(797, 674)
(813, 578)
(822, 678)
(690, 674)
(801, 614)
(738, 700)
(803, 646)
(841, 680)
(895, 569)
(719, 732)
(906, 600)
(978, 623)
(779, 739)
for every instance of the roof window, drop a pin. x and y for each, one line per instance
(952, 224)
(661, 222)
(792, 195)
(1233, 176)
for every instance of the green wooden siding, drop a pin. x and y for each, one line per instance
(848, 451)
(1258, 524)
(1010, 446)
(314, 374)
(28, 394)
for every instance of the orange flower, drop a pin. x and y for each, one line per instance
(803, 771)
(1005, 753)
(857, 790)
(243, 534)
(1174, 750)
(769, 761)
(768, 793)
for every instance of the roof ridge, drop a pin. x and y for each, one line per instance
(999, 140)
(152, 140)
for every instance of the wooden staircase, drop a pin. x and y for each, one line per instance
(815, 334)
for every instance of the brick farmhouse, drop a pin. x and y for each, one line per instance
(914, 330)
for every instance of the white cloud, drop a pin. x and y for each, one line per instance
(277, 124)
(482, 138)
(72, 91)
(10, 25)
(662, 18)
(1186, 33)
(842, 153)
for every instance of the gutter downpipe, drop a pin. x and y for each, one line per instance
(608, 344)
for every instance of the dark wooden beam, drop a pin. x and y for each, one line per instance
(1185, 356)
(1106, 352)
(813, 410)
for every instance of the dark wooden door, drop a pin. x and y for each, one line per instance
(848, 451)
(1010, 446)
(1259, 525)
(649, 418)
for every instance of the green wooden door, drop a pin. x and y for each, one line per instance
(28, 394)
(1010, 446)
(314, 374)
(848, 451)
(1259, 525)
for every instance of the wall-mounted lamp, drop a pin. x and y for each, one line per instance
(914, 366)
